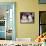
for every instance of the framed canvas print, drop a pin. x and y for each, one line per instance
(42, 1)
(26, 17)
(7, 20)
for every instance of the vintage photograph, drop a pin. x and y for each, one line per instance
(27, 17)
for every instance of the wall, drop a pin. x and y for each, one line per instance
(27, 30)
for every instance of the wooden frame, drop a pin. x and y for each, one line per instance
(27, 17)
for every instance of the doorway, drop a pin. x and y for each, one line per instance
(7, 21)
(42, 22)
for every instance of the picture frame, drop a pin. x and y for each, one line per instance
(27, 17)
(42, 1)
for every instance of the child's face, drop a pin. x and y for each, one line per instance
(30, 17)
(24, 17)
